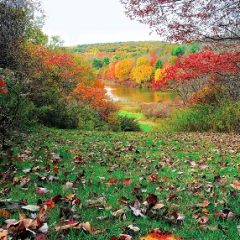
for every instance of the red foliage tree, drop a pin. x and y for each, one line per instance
(190, 74)
(188, 19)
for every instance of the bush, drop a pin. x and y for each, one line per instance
(129, 124)
(223, 117)
(15, 108)
(56, 116)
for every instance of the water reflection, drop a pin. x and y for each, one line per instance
(124, 94)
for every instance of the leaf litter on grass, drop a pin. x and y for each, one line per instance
(187, 184)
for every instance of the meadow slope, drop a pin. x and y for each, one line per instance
(187, 183)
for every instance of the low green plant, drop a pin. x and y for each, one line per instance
(221, 117)
(129, 124)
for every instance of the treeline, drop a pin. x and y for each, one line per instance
(134, 62)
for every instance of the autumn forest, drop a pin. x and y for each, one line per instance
(121, 140)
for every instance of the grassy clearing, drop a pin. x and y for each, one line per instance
(145, 124)
(183, 171)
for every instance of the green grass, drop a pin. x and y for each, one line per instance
(135, 156)
(131, 114)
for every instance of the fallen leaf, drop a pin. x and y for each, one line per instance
(5, 213)
(31, 208)
(49, 203)
(152, 199)
(56, 170)
(3, 234)
(203, 220)
(159, 235)
(134, 228)
(112, 181)
(235, 184)
(40, 236)
(204, 204)
(158, 206)
(127, 181)
(153, 177)
(76, 225)
(41, 190)
(68, 185)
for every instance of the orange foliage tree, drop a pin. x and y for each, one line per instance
(95, 97)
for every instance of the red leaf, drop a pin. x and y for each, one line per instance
(152, 199)
(127, 181)
(112, 181)
(153, 177)
(56, 170)
(50, 204)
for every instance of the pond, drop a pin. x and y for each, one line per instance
(129, 95)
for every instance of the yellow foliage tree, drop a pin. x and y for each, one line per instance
(160, 72)
(141, 73)
(123, 69)
(143, 61)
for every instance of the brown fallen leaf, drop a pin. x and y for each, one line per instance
(204, 204)
(80, 226)
(235, 184)
(158, 206)
(3, 234)
(40, 236)
(5, 213)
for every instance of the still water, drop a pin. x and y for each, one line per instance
(124, 94)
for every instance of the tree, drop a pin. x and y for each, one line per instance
(110, 71)
(97, 63)
(17, 18)
(178, 51)
(141, 73)
(185, 20)
(142, 61)
(106, 61)
(95, 97)
(55, 42)
(199, 70)
(158, 64)
(123, 69)
(194, 47)
(160, 73)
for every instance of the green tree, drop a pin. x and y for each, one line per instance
(55, 42)
(106, 61)
(194, 47)
(97, 63)
(158, 64)
(178, 51)
(17, 18)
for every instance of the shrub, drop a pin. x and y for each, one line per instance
(129, 124)
(222, 117)
(15, 108)
(157, 110)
